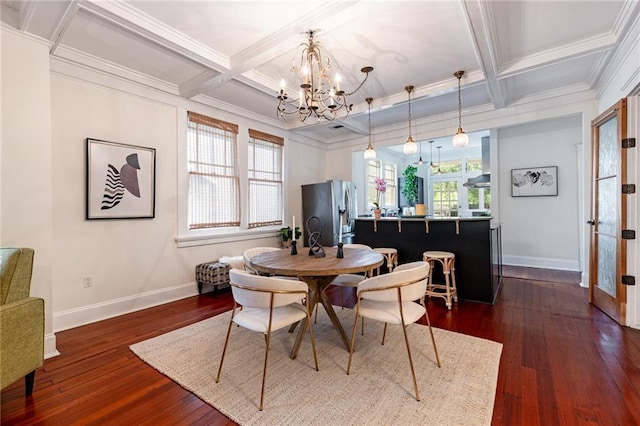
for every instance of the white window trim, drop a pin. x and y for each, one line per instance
(197, 237)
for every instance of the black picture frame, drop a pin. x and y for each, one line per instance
(534, 182)
(120, 181)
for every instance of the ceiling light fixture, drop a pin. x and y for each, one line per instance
(369, 153)
(419, 162)
(438, 171)
(318, 96)
(410, 146)
(460, 139)
(430, 155)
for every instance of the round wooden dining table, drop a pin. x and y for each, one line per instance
(317, 273)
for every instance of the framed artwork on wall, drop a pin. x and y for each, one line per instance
(534, 181)
(120, 180)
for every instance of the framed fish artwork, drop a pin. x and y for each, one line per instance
(121, 180)
(534, 182)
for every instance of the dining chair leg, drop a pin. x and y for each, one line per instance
(313, 341)
(224, 349)
(353, 339)
(413, 373)
(267, 338)
(433, 340)
(384, 333)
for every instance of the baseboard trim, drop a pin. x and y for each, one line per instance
(542, 262)
(50, 349)
(72, 318)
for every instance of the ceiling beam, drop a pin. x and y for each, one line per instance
(136, 22)
(67, 16)
(559, 55)
(273, 45)
(482, 31)
(27, 9)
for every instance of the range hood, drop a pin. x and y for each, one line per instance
(484, 180)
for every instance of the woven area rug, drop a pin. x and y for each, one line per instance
(378, 391)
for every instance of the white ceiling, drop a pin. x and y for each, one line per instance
(236, 52)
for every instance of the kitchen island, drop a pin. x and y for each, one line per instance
(474, 240)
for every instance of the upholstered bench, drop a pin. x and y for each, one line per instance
(214, 274)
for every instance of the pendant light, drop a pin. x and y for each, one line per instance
(410, 146)
(431, 165)
(369, 153)
(460, 139)
(419, 162)
(438, 171)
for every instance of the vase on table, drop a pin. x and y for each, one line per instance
(377, 213)
(421, 209)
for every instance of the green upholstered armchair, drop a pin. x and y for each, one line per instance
(21, 319)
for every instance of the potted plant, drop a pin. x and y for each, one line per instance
(381, 187)
(286, 234)
(410, 189)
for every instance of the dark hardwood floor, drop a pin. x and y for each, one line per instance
(564, 362)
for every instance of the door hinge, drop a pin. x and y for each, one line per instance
(629, 143)
(628, 280)
(629, 188)
(628, 234)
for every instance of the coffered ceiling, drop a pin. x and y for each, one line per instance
(233, 54)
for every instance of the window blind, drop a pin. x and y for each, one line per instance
(214, 183)
(265, 179)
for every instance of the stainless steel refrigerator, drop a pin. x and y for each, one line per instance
(334, 203)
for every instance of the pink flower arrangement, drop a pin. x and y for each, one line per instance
(381, 187)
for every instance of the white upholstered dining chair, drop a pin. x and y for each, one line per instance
(268, 304)
(254, 251)
(391, 298)
(351, 280)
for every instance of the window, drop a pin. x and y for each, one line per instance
(445, 167)
(373, 173)
(265, 179)
(474, 165)
(390, 175)
(214, 184)
(479, 198)
(445, 198)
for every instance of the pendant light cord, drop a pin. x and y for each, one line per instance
(409, 89)
(459, 106)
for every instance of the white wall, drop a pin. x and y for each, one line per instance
(26, 163)
(134, 263)
(541, 231)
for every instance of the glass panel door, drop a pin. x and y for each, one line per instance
(608, 249)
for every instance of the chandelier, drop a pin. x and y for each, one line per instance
(460, 139)
(319, 96)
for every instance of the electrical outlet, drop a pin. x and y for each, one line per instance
(87, 281)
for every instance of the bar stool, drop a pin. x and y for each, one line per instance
(391, 256)
(448, 289)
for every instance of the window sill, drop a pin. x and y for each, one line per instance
(202, 239)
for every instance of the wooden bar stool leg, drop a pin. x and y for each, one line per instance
(447, 284)
(453, 281)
